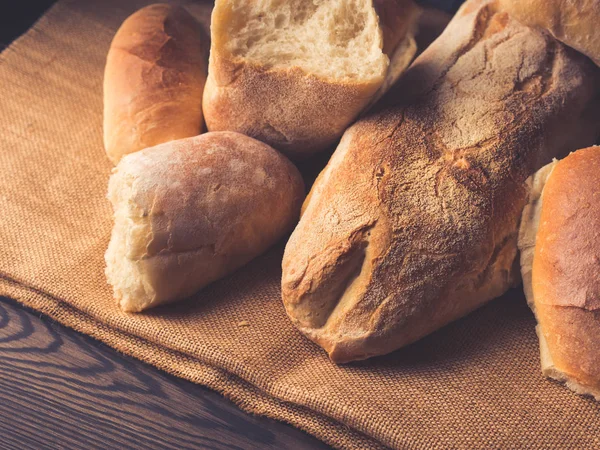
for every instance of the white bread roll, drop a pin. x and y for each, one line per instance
(191, 211)
(153, 80)
(573, 22)
(414, 221)
(295, 74)
(560, 257)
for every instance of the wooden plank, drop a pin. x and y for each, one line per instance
(61, 389)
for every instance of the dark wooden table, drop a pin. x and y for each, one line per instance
(61, 389)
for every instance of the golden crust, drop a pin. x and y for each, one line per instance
(572, 337)
(573, 22)
(413, 223)
(565, 277)
(566, 260)
(153, 80)
(296, 112)
(190, 211)
(253, 101)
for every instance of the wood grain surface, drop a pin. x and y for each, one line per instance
(61, 389)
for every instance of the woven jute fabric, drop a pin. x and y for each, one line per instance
(476, 384)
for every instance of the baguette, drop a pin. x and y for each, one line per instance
(413, 223)
(153, 80)
(189, 212)
(296, 74)
(558, 240)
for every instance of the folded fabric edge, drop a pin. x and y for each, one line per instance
(245, 395)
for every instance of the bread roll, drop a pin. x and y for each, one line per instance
(573, 22)
(191, 211)
(153, 80)
(413, 223)
(560, 251)
(295, 74)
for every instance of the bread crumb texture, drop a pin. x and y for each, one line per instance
(322, 37)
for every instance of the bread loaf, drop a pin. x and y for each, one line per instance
(413, 223)
(560, 251)
(193, 210)
(153, 80)
(574, 22)
(295, 74)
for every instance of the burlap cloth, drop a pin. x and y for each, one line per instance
(474, 384)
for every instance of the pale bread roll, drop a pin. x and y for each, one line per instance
(153, 80)
(573, 22)
(413, 223)
(189, 212)
(560, 263)
(295, 74)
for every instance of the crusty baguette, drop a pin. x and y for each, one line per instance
(413, 223)
(560, 250)
(153, 80)
(190, 211)
(296, 74)
(573, 22)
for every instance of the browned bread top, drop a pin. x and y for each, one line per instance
(295, 74)
(566, 265)
(413, 223)
(574, 22)
(190, 211)
(566, 271)
(153, 80)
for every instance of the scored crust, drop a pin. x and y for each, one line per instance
(413, 223)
